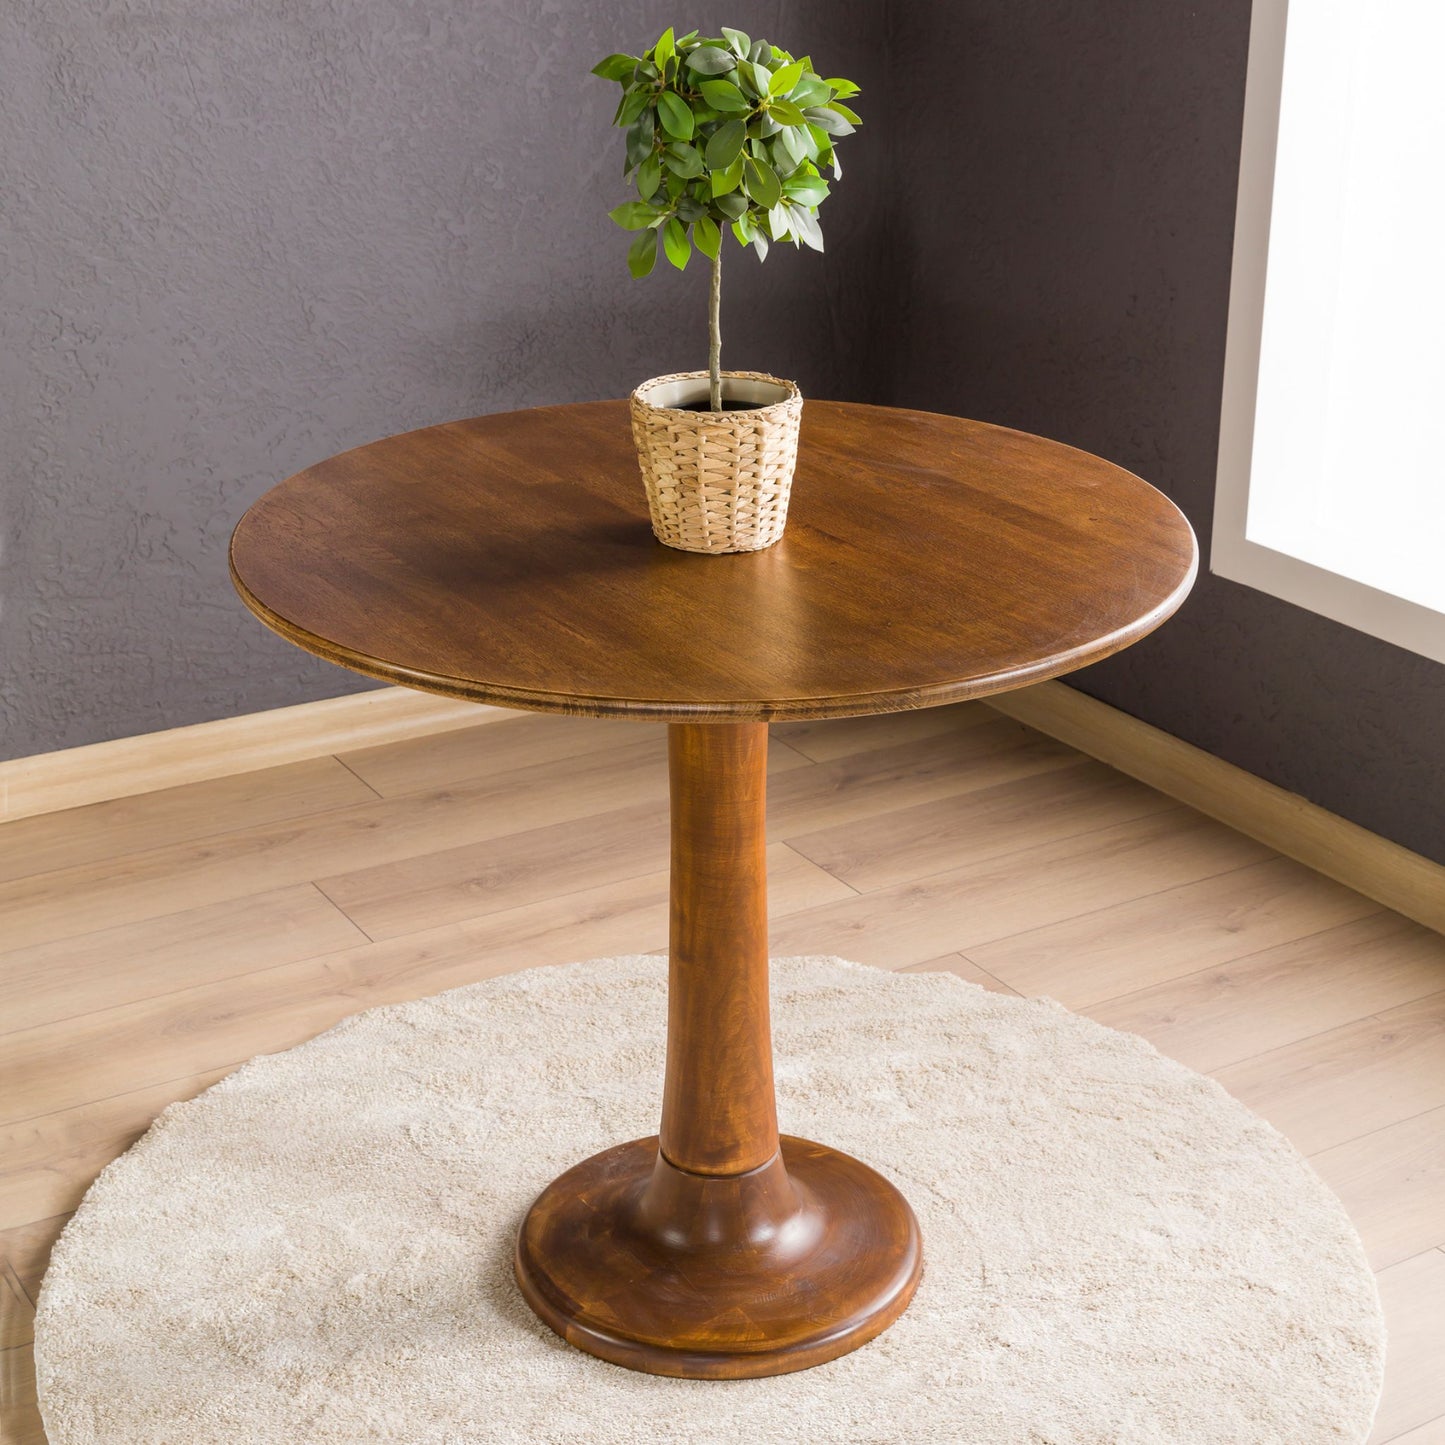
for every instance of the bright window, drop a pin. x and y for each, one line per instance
(1332, 447)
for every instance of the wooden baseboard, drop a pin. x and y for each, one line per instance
(98, 772)
(1331, 845)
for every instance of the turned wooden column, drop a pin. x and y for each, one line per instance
(718, 1114)
(716, 1249)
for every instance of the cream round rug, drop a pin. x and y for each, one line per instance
(318, 1249)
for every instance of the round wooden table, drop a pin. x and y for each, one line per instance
(509, 559)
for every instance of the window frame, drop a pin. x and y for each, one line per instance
(1232, 555)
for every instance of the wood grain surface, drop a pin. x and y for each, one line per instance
(509, 559)
(709, 1252)
(719, 1277)
(718, 1114)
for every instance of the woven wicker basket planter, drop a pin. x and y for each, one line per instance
(717, 481)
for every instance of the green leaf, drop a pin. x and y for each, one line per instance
(724, 95)
(779, 222)
(827, 119)
(725, 145)
(676, 118)
(705, 232)
(633, 104)
(791, 146)
(806, 227)
(683, 160)
(739, 41)
(811, 91)
(742, 231)
(787, 112)
(639, 140)
(649, 177)
(616, 67)
(633, 215)
(786, 78)
(762, 76)
(711, 60)
(761, 182)
(842, 88)
(760, 243)
(665, 48)
(760, 51)
(676, 244)
(642, 254)
(733, 205)
(727, 179)
(810, 190)
(845, 112)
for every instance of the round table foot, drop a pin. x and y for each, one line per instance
(719, 1277)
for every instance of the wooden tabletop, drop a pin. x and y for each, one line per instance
(509, 559)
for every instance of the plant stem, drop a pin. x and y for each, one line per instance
(714, 336)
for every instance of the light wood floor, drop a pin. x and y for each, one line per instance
(149, 945)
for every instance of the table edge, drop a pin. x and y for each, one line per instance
(724, 711)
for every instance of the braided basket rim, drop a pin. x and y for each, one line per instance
(793, 396)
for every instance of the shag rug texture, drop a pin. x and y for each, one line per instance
(318, 1249)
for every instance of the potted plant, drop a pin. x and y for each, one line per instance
(723, 134)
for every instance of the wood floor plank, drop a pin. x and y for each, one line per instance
(72, 901)
(1350, 1081)
(465, 754)
(47, 1163)
(834, 738)
(114, 829)
(963, 908)
(525, 740)
(1430, 1433)
(447, 885)
(20, 1422)
(26, 1249)
(528, 740)
(60, 1066)
(964, 968)
(164, 880)
(17, 1314)
(1392, 1182)
(1413, 1294)
(71, 976)
(453, 884)
(1121, 947)
(908, 843)
(872, 784)
(1222, 1016)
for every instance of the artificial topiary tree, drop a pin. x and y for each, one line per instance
(724, 132)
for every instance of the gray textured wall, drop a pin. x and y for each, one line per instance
(240, 235)
(1069, 274)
